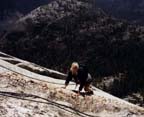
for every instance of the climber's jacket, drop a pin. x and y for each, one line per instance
(82, 78)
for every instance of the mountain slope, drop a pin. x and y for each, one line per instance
(69, 30)
(131, 10)
(12, 10)
(8, 7)
(24, 96)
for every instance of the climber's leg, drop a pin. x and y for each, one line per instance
(87, 87)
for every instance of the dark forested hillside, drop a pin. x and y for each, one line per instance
(11, 10)
(23, 6)
(131, 10)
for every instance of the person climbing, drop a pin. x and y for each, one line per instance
(81, 76)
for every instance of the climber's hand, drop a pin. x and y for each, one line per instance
(76, 86)
(78, 94)
(64, 87)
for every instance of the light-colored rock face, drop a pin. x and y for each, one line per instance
(2, 70)
(21, 96)
(26, 98)
(33, 95)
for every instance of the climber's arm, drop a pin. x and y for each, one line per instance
(68, 79)
(81, 86)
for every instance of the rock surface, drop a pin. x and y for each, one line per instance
(64, 31)
(26, 97)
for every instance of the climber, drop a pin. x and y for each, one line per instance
(81, 76)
